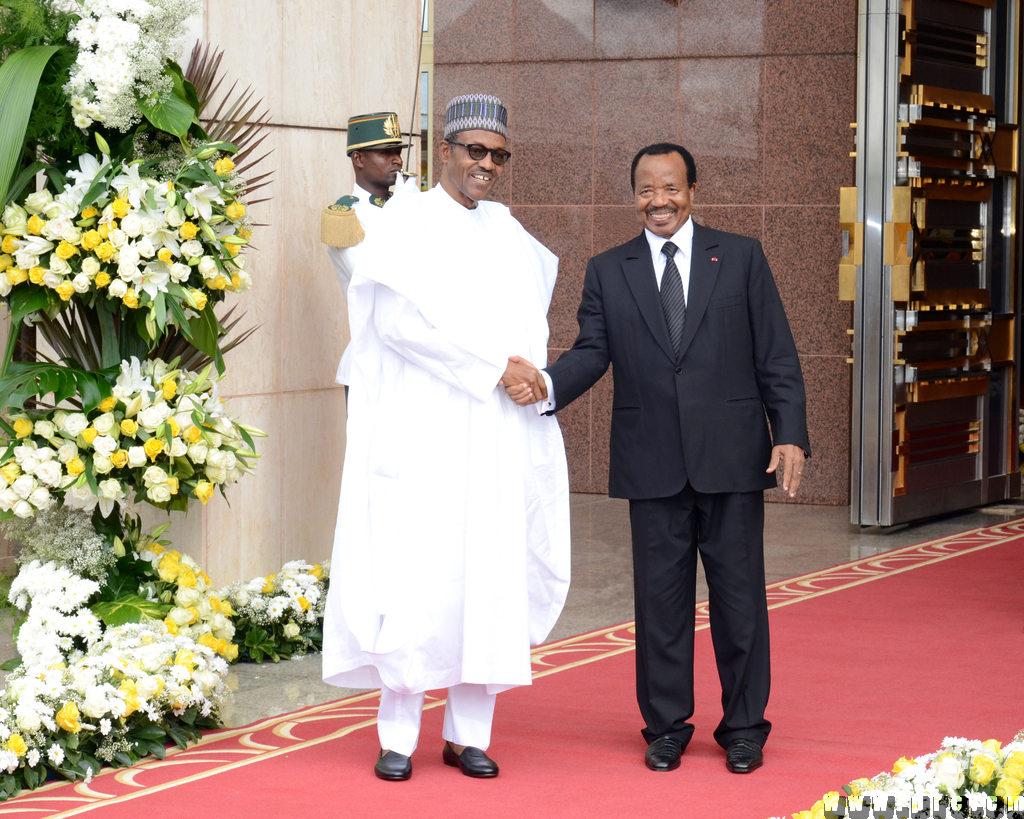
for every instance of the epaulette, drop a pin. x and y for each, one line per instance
(339, 225)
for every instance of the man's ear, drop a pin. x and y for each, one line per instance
(357, 158)
(445, 149)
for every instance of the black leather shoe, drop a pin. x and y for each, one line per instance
(663, 754)
(472, 761)
(393, 765)
(743, 756)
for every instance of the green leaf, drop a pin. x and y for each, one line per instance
(11, 664)
(110, 354)
(171, 113)
(19, 184)
(129, 609)
(25, 301)
(19, 79)
(148, 730)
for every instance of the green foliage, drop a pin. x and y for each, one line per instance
(19, 79)
(130, 608)
(26, 380)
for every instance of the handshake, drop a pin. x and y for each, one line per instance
(523, 382)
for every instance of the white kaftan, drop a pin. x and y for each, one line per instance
(451, 554)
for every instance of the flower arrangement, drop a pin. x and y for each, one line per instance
(281, 616)
(983, 778)
(162, 432)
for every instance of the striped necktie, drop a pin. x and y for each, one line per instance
(673, 300)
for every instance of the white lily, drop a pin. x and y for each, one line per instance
(129, 184)
(203, 198)
(155, 276)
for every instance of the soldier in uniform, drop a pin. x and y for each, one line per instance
(375, 148)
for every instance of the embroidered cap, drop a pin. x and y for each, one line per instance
(373, 132)
(475, 112)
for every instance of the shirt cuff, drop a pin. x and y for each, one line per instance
(548, 405)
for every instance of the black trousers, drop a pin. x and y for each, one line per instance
(728, 531)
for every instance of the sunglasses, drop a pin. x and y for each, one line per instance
(478, 152)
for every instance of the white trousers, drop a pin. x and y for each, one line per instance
(467, 718)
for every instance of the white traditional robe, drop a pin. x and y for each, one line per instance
(451, 554)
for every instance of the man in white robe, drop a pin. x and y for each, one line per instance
(451, 555)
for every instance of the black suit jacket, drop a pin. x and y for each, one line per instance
(699, 416)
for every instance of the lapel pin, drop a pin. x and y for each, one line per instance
(714, 258)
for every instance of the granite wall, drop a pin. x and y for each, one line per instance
(762, 92)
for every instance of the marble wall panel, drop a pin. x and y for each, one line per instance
(810, 102)
(721, 102)
(553, 29)
(244, 539)
(803, 246)
(312, 301)
(472, 31)
(567, 232)
(613, 226)
(708, 28)
(746, 220)
(313, 444)
(635, 105)
(826, 478)
(799, 27)
(552, 116)
(574, 422)
(635, 28)
(384, 51)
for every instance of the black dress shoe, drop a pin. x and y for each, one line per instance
(743, 756)
(393, 765)
(663, 754)
(472, 761)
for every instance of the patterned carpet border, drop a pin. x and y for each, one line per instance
(235, 747)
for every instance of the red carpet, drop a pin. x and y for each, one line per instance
(872, 660)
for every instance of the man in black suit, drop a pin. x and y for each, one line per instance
(693, 325)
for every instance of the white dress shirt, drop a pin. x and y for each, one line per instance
(683, 240)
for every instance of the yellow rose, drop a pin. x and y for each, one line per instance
(76, 466)
(65, 250)
(1009, 788)
(165, 255)
(155, 548)
(236, 210)
(219, 283)
(9, 245)
(236, 280)
(268, 584)
(223, 167)
(172, 483)
(204, 490)
(35, 275)
(231, 249)
(901, 763)
(168, 567)
(16, 744)
(175, 427)
(982, 769)
(15, 275)
(119, 208)
(194, 612)
(231, 653)
(23, 427)
(90, 213)
(102, 279)
(35, 225)
(170, 389)
(130, 299)
(119, 459)
(200, 299)
(188, 231)
(131, 697)
(91, 240)
(193, 435)
(205, 578)
(993, 745)
(304, 603)
(67, 718)
(187, 578)
(10, 471)
(89, 434)
(208, 640)
(5, 262)
(129, 427)
(317, 571)
(153, 447)
(104, 252)
(104, 230)
(65, 290)
(172, 629)
(107, 404)
(1013, 766)
(244, 232)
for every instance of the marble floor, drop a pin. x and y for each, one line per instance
(798, 539)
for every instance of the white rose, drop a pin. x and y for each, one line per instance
(35, 202)
(161, 493)
(102, 464)
(291, 630)
(55, 228)
(50, 279)
(180, 616)
(72, 235)
(131, 224)
(147, 687)
(241, 597)
(154, 475)
(136, 456)
(24, 509)
(24, 486)
(59, 267)
(110, 489)
(208, 267)
(54, 210)
(15, 217)
(216, 474)
(180, 272)
(117, 288)
(95, 704)
(5, 287)
(49, 473)
(75, 423)
(45, 429)
(222, 627)
(81, 283)
(197, 453)
(191, 248)
(186, 597)
(30, 463)
(149, 226)
(207, 680)
(174, 217)
(90, 266)
(28, 720)
(244, 282)
(117, 238)
(152, 417)
(178, 448)
(8, 499)
(68, 452)
(948, 772)
(40, 499)
(105, 423)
